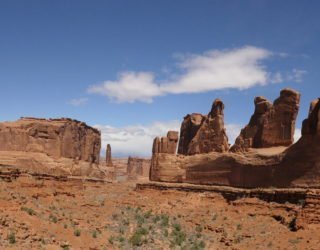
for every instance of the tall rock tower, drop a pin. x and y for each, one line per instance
(108, 156)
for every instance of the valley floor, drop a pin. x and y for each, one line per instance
(51, 214)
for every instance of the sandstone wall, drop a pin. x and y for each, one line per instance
(138, 167)
(271, 124)
(63, 146)
(167, 145)
(203, 134)
(294, 166)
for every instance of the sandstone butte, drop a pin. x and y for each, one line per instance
(55, 147)
(261, 157)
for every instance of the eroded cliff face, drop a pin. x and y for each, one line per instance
(271, 124)
(204, 134)
(57, 146)
(264, 161)
(301, 163)
(138, 167)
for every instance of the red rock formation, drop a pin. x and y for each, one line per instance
(204, 134)
(270, 125)
(138, 167)
(108, 156)
(61, 146)
(295, 166)
(301, 163)
(167, 145)
(189, 128)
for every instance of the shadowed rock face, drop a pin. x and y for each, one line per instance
(189, 128)
(271, 124)
(301, 164)
(204, 134)
(311, 125)
(108, 156)
(64, 146)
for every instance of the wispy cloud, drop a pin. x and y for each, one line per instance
(239, 68)
(134, 139)
(78, 101)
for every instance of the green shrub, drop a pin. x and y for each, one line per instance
(111, 240)
(30, 211)
(12, 238)
(137, 238)
(164, 220)
(77, 232)
(53, 218)
(94, 234)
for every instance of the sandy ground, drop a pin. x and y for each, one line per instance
(47, 214)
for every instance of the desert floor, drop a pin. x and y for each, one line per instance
(50, 214)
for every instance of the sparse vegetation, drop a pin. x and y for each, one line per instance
(28, 210)
(53, 218)
(12, 238)
(94, 234)
(77, 232)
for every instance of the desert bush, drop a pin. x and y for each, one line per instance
(12, 238)
(28, 210)
(77, 232)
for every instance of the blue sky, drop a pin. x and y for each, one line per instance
(135, 68)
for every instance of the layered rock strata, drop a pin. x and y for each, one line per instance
(203, 134)
(294, 166)
(271, 124)
(55, 146)
(138, 167)
(166, 145)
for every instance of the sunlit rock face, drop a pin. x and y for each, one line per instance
(271, 124)
(203, 134)
(57, 146)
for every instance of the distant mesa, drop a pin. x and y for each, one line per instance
(52, 146)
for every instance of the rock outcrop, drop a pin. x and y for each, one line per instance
(108, 156)
(301, 163)
(203, 134)
(138, 167)
(271, 124)
(166, 145)
(54, 146)
(263, 165)
(189, 128)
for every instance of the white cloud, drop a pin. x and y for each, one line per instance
(233, 131)
(297, 134)
(134, 139)
(78, 101)
(213, 70)
(129, 87)
(296, 75)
